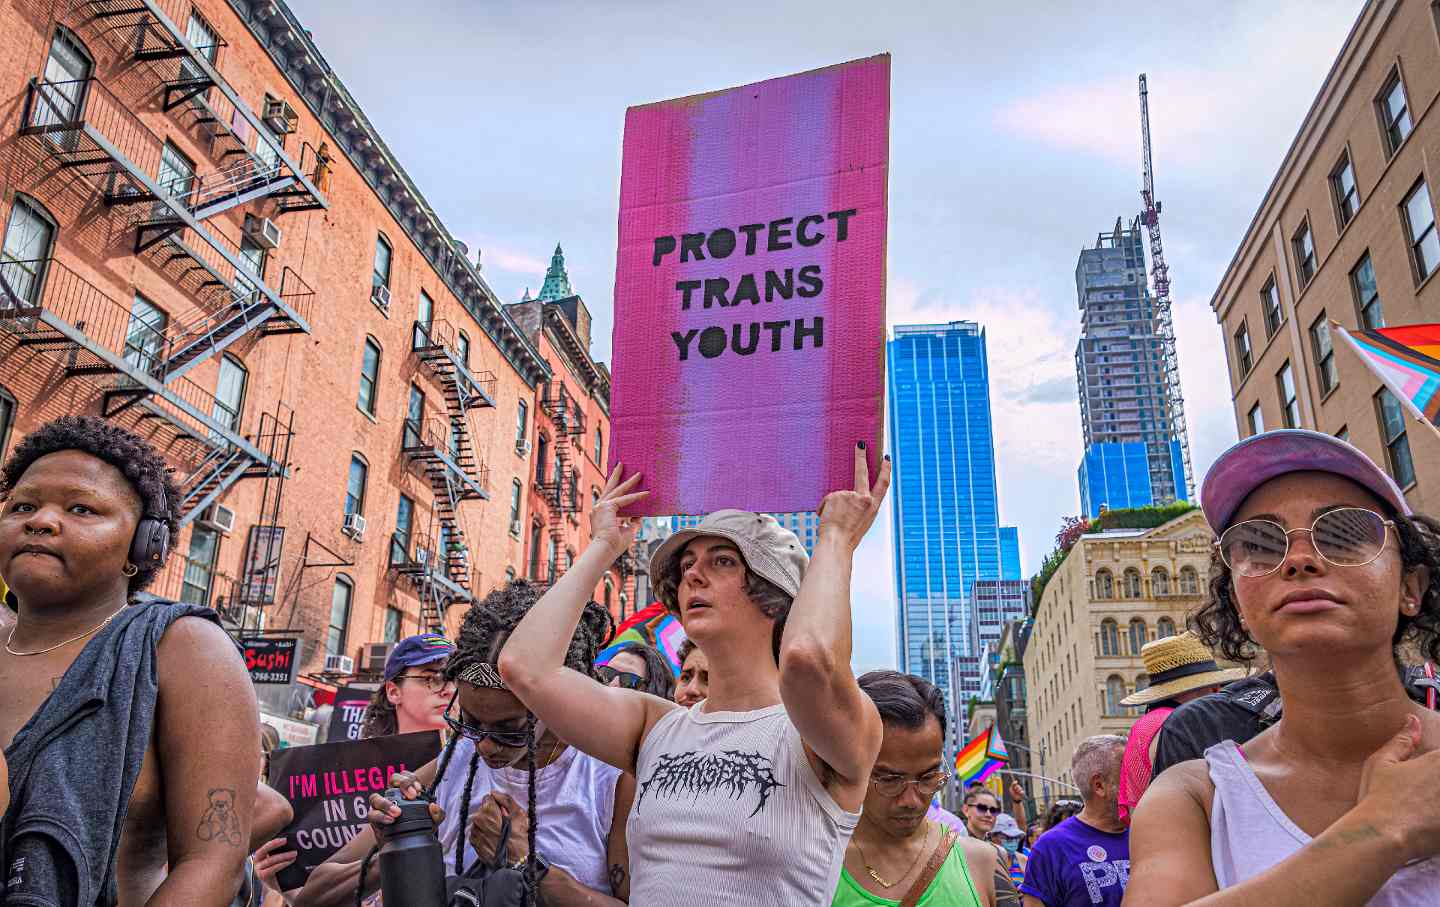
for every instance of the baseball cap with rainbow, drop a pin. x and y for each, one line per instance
(413, 651)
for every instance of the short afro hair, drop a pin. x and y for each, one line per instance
(137, 461)
(488, 623)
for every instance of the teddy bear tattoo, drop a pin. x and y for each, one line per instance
(220, 822)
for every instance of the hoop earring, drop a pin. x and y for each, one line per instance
(129, 569)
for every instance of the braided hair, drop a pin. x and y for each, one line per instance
(483, 633)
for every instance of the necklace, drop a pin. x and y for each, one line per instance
(876, 876)
(96, 629)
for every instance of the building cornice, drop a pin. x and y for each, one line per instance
(294, 53)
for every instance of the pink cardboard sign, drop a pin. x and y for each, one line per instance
(750, 291)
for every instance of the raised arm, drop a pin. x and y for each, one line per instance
(605, 722)
(206, 735)
(836, 720)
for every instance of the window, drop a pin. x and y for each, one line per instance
(542, 454)
(252, 266)
(1394, 112)
(1132, 583)
(516, 490)
(1325, 370)
(1164, 627)
(394, 621)
(1420, 222)
(1159, 581)
(7, 418)
(1397, 442)
(462, 346)
(1270, 305)
(145, 335)
(199, 565)
(1243, 355)
(414, 417)
(1289, 406)
(204, 39)
(355, 485)
(229, 393)
(381, 277)
(522, 421)
(177, 173)
(1189, 581)
(424, 318)
(1367, 295)
(1139, 635)
(1142, 680)
(1109, 637)
(1343, 434)
(369, 376)
(535, 551)
(340, 597)
(599, 448)
(509, 575)
(1304, 245)
(1114, 692)
(67, 69)
(553, 561)
(1344, 191)
(29, 237)
(1104, 584)
(404, 524)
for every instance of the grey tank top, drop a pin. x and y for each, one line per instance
(729, 810)
(1249, 834)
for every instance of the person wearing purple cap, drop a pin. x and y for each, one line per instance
(1321, 562)
(415, 692)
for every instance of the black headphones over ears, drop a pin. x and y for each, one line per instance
(151, 544)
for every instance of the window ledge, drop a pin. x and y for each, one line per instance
(367, 414)
(1333, 388)
(1430, 277)
(379, 308)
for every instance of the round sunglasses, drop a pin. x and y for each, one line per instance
(1345, 537)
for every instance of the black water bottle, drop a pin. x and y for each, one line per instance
(412, 865)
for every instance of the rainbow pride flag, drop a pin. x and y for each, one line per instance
(980, 758)
(1407, 360)
(653, 626)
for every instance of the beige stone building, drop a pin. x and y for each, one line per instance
(1346, 233)
(1115, 591)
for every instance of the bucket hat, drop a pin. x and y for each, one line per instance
(768, 549)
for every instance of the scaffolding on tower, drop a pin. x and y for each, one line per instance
(1150, 217)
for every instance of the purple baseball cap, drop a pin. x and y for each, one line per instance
(1258, 459)
(413, 651)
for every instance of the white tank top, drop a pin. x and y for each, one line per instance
(574, 806)
(728, 805)
(1249, 834)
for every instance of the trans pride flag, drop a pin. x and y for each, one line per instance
(653, 626)
(978, 759)
(1407, 360)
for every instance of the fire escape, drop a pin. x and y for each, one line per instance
(79, 126)
(443, 449)
(561, 488)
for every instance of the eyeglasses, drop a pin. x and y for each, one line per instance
(627, 680)
(925, 785)
(505, 739)
(985, 810)
(1345, 537)
(435, 682)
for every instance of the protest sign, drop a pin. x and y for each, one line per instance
(329, 787)
(349, 714)
(270, 660)
(749, 333)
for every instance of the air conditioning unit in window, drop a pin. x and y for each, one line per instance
(339, 664)
(279, 116)
(380, 295)
(514, 527)
(354, 526)
(262, 231)
(374, 655)
(522, 447)
(221, 519)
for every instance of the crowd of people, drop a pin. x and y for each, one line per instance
(762, 771)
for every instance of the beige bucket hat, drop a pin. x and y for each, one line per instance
(769, 549)
(1177, 664)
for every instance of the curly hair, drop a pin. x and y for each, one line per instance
(137, 461)
(659, 677)
(772, 601)
(1217, 623)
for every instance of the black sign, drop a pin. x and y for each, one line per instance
(349, 714)
(329, 786)
(270, 660)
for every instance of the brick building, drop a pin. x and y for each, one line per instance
(206, 240)
(1346, 233)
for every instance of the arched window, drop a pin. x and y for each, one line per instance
(1138, 635)
(1132, 583)
(1142, 680)
(340, 597)
(1114, 692)
(1164, 627)
(599, 448)
(1104, 584)
(60, 96)
(381, 276)
(1159, 581)
(355, 485)
(1189, 581)
(29, 239)
(535, 551)
(462, 346)
(542, 458)
(1109, 637)
(369, 374)
(552, 562)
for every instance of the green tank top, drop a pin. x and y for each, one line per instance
(952, 887)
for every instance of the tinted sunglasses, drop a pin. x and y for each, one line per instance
(627, 680)
(1345, 537)
(985, 810)
(505, 739)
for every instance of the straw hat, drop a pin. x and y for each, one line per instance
(1178, 664)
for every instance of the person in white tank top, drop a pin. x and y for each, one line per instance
(750, 796)
(1321, 562)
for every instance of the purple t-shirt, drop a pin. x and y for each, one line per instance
(1075, 865)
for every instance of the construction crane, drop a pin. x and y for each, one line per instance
(1150, 217)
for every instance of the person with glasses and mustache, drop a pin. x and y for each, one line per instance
(567, 811)
(1322, 562)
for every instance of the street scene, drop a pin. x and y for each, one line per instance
(552, 454)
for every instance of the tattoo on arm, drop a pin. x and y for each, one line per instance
(617, 877)
(220, 822)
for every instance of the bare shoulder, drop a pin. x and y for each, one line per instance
(1190, 779)
(976, 850)
(195, 639)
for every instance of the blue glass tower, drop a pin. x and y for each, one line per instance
(1010, 553)
(943, 501)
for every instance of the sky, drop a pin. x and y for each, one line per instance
(1014, 141)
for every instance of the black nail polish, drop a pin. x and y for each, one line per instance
(887, 457)
(860, 444)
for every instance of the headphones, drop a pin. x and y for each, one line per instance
(151, 544)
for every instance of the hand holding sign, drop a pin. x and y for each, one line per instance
(847, 515)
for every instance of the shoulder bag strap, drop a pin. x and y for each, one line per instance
(932, 869)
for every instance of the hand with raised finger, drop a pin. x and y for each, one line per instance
(847, 515)
(607, 526)
(270, 859)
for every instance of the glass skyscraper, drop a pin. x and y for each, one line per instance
(1010, 553)
(943, 500)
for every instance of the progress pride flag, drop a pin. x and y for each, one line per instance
(750, 291)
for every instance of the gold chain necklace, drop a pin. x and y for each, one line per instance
(102, 625)
(924, 848)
